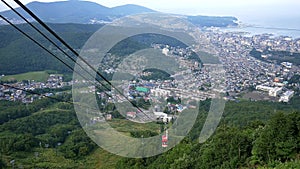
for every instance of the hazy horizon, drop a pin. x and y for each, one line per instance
(276, 13)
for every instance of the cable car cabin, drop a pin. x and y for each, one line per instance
(164, 141)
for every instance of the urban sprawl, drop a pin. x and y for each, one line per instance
(238, 75)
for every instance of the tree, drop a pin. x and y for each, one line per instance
(278, 140)
(2, 163)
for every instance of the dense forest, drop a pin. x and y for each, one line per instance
(249, 136)
(21, 55)
(47, 134)
(156, 74)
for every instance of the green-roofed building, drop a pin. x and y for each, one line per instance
(142, 89)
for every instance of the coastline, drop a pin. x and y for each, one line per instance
(253, 29)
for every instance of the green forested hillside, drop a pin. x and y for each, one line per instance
(264, 137)
(46, 134)
(18, 54)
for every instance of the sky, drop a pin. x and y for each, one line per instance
(245, 10)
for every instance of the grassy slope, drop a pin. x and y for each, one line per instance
(40, 76)
(126, 126)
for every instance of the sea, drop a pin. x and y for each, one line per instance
(289, 26)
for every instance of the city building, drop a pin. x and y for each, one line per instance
(286, 97)
(131, 114)
(287, 64)
(163, 116)
(142, 89)
(158, 92)
(275, 91)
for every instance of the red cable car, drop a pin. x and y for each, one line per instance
(164, 140)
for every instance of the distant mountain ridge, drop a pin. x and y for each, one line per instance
(76, 12)
(85, 12)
